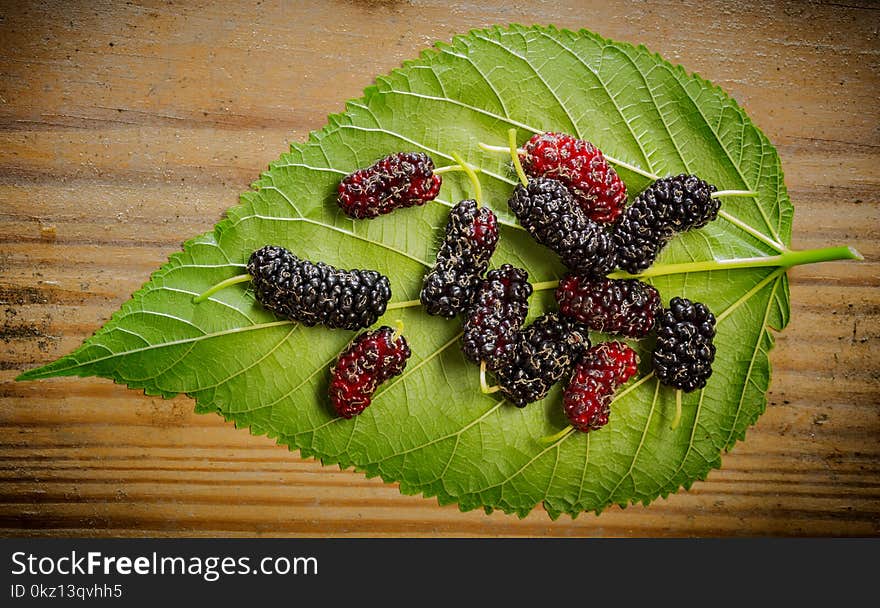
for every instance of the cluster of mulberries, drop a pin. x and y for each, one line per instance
(573, 203)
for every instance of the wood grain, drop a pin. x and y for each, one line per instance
(126, 128)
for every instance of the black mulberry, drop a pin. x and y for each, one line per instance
(399, 180)
(545, 353)
(499, 310)
(617, 306)
(470, 239)
(548, 211)
(684, 352)
(313, 293)
(668, 206)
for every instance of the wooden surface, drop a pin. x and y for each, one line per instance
(126, 128)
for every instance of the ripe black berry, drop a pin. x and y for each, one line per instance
(317, 293)
(548, 211)
(684, 352)
(499, 310)
(545, 352)
(616, 306)
(470, 239)
(372, 358)
(598, 373)
(668, 206)
(396, 181)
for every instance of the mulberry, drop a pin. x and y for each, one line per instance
(597, 375)
(399, 180)
(372, 358)
(545, 352)
(668, 206)
(317, 293)
(618, 306)
(470, 239)
(498, 312)
(547, 210)
(582, 168)
(684, 352)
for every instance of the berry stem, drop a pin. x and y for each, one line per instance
(475, 181)
(557, 436)
(404, 304)
(484, 387)
(514, 155)
(504, 149)
(674, 424)
(545, 285)
(241, 278)
(744, 193)
(455, 168)
(398, 330)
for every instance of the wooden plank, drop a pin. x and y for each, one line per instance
(127, 128)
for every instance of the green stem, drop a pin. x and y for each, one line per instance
(674, 424)
(404, 304)
(484, 386)
(241, 278)
(514, 156)
(545, 285)
(398, 330)
(455, 168)
(783, 260)
(744, 193)
(504, 149)
(475, 181)
(557, 436)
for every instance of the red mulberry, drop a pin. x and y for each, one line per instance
(372, 358)
(598, 374)
(582, 168)
(399, 180)
(617, 306)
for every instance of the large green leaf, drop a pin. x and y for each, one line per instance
(431, 429)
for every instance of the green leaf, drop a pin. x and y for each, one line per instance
(431, 429)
